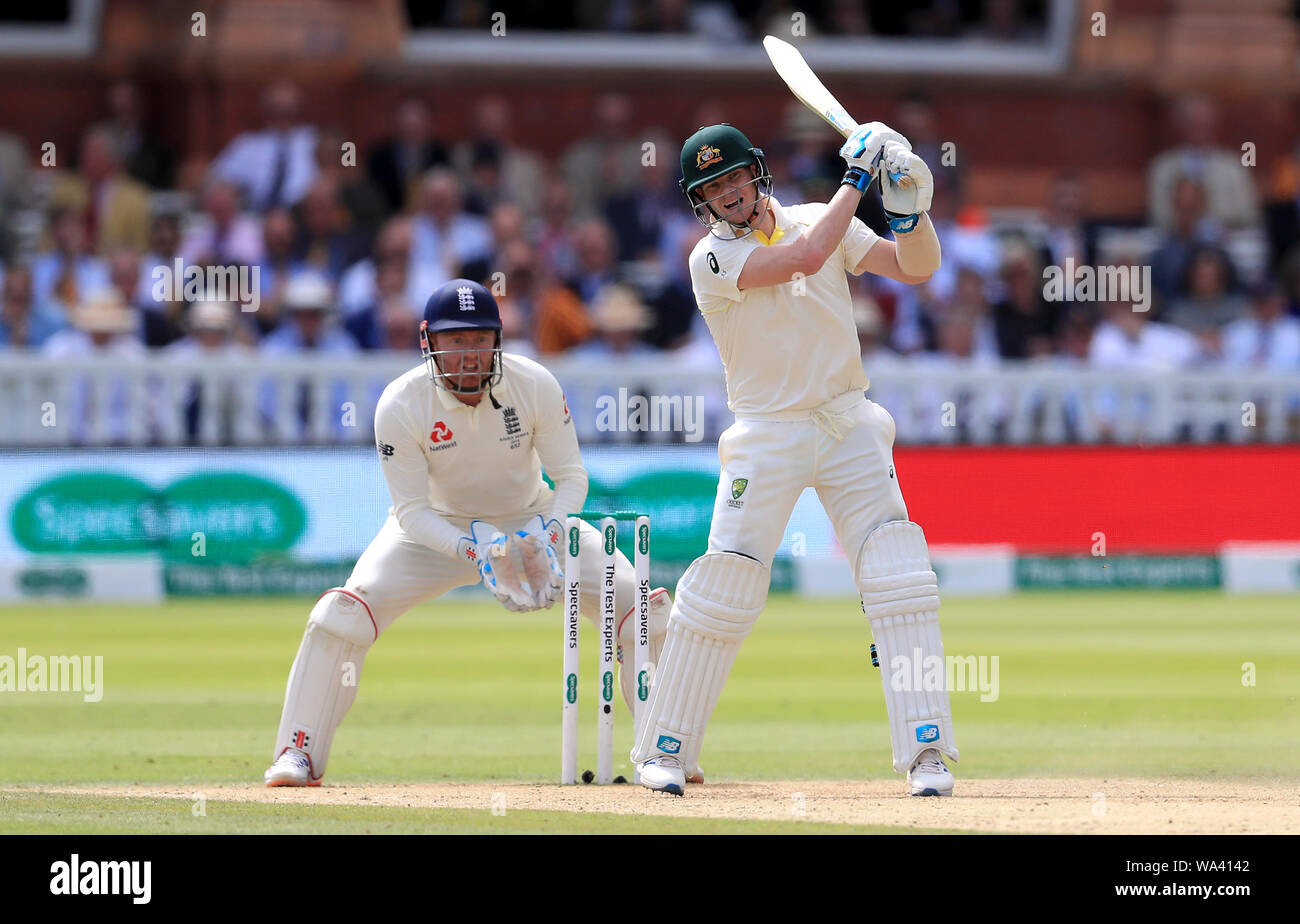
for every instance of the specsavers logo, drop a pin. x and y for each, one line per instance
(240, 516)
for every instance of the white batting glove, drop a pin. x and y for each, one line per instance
(862, 149)
(906, 186)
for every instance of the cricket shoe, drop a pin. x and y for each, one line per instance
(291, 768)
(663, 774)
(929, 775)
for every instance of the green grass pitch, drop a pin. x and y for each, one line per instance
(1103, 683)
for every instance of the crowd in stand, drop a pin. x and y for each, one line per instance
(587, 251)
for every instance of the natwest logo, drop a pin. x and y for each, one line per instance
(441, 433)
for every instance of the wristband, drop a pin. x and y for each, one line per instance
(901, 224)
(858, 178)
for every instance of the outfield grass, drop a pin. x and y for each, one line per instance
(1104, 684)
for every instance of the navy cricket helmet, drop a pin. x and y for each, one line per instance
(460, 304)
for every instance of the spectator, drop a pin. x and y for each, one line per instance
(1207, 300)
(640, 214)
(1282, 208)
(1268, 339)
(872, 334)
(279, 264)
(807, 167)
(225, 236)
(1230, 191)
(673, 302)
(63, 277)
(277, 165)
(508, 224)
(919, 124)
(370, 326)
(307, 328)
(157, 327)
(539, 315)
(446, 241)
(1191, 229)
(360, 202)
(326, 243)
(210, 332)
(594, 249)
(211, 328)
(398, 329)
(308, 324)
(20, 326)
(143, 156)
(164, 248)
(100, 409)
(113, 207)
(618, 317)
(1127, 341)
(605, 162)
(518, 174)
(1068, 236)
(1024, 321)
(358, 288)
(103, 323)
(400, 160)
(555, 246)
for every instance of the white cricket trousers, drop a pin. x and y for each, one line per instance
(844, 451)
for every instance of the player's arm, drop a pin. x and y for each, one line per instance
(402, 460)
(778, 264)
(914, 254)
(918, 249)
(556, 442)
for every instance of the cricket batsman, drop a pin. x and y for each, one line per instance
(770, 282)
(463, 439)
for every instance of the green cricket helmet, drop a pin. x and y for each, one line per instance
(712, 152)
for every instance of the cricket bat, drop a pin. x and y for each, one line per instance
(810, 91)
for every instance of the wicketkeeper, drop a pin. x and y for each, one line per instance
(770, 282)
(463, 439)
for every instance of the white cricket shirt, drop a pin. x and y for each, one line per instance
(791, 348)
(443, 459)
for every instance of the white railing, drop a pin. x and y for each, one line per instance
(156, 400)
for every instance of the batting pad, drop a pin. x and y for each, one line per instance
(718, 599)
(324, 677)
(900, 597)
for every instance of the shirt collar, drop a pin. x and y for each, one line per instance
(778, 230)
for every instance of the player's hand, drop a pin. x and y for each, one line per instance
(537, 544)
(500, 571)
(901, 164)
(862, 149)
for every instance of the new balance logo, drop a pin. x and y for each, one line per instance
(668, 744)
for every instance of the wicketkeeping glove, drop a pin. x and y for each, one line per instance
(502, 573)
(537, 544)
